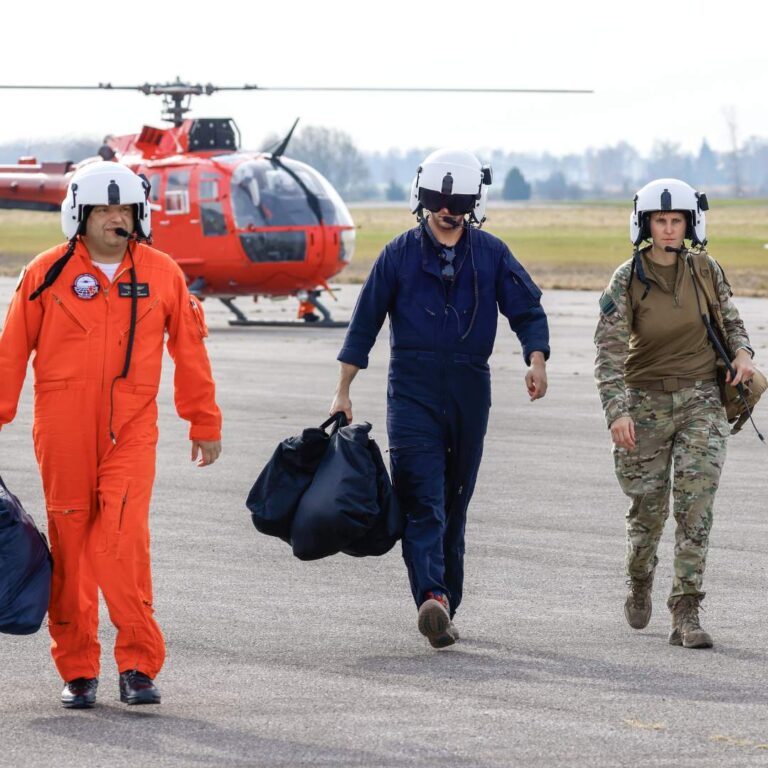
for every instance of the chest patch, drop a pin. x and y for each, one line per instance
(124, 290)
(86, 286)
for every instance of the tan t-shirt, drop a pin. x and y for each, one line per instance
(668, 335)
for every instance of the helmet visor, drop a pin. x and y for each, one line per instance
(457, 205)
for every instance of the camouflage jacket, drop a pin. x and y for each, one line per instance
(614, 329)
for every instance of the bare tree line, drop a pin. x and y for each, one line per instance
(610, 172)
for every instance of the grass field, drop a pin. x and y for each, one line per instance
(563, 246)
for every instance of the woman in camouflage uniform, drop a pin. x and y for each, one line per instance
(655, 371)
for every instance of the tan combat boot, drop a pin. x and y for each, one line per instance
(637, 606)
(686, 630)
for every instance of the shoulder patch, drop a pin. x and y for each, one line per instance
(607, 304)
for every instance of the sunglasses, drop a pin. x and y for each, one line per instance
(457, 205)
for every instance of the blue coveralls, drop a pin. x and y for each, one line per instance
(439, 390)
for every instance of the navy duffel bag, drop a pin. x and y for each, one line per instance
(25, 568)
(275, 495)
(388, 526)
(349, 506)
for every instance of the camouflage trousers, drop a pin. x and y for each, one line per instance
(680, 441)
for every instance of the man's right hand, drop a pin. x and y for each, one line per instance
(341, 402)
(623, 433)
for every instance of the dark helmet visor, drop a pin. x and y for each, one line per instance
(457, 205)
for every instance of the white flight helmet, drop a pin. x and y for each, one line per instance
(454, 179)
(669, 195)
(105, 183)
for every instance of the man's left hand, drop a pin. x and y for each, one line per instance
(207, 450)
(536, 378)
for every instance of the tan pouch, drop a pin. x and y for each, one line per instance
(735, 410)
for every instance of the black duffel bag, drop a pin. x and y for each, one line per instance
(25, 568)
(349, 506)
(275, 495)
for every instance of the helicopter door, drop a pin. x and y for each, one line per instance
(212, 218)
(174, 221)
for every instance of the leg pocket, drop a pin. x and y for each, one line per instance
(642, 471)
(108, 530)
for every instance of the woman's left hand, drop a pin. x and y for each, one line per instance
(743, 366)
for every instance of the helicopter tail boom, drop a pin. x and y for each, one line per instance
(30, 185)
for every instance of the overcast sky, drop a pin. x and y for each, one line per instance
(660, 71)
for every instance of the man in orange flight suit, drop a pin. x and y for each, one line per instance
(95, 311)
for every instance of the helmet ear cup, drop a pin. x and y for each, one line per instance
(689, 232)
(645, 227)
(83, 225)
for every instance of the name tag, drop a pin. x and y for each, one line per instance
(124, 290)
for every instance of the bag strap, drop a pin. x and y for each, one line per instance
(715, 334)
(704, 278)
(338, 419)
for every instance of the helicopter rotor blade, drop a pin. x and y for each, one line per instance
(197, 90)
(176, 108)
(361, 89)
(67, 87)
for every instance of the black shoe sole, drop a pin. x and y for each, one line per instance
(78, 704)
(153, 699)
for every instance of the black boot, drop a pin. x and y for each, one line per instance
(138, 688)
(80, 693)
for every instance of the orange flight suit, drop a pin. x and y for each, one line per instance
(97, 490)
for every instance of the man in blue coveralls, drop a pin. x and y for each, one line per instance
(441, 284)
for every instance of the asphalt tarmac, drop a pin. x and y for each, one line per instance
(277, 662)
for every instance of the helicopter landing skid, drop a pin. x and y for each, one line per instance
(241, 319)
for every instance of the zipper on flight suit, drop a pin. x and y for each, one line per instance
(449, 294)
(106, 333)
(122, 511)
(131, 336)
(68, 312)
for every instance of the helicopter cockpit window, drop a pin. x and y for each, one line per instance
(267, 195)
(211, 211)
(177, 192)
